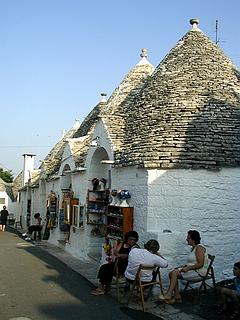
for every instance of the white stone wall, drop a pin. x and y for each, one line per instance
(135, 181)
(208, 201)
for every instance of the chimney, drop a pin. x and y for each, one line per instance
(28, 166)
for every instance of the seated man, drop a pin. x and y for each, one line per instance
(147, 256)
(35, 227)
(232, 292)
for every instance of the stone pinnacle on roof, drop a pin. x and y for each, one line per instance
(194, 22)
(103, 95)
(76, 124)
(143, 56)
(144, 53)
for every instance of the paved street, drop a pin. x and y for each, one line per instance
(44, 282)
(36, 285)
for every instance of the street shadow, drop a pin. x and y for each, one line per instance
(87, 306)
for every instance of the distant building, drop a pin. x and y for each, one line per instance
(7, 197)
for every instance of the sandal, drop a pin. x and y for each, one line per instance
(169, 301)
(178, 300)
(98, 292)
(235, 315)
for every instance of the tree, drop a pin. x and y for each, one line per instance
(6, 176)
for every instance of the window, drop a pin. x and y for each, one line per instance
(78, 216)
(2, 200)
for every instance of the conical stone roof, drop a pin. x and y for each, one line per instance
(52, 161)
(114, 114)
(188, 113)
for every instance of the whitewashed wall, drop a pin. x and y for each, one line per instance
(208, 201)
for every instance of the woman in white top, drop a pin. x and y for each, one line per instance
(196, 266)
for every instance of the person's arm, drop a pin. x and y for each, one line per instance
(160, 260)
(120, 255)
(116, 251)
(200, 252)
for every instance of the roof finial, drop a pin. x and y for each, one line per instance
(76, 124)
(194, 22)
(144, 53)
(103, 95)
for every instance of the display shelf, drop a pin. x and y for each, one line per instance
(97, 201)
(119, 220)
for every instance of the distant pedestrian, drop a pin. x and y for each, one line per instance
(35, 227)
(3, 218)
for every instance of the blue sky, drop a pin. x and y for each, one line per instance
(57, 56)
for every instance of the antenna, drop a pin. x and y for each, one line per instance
(217, 39)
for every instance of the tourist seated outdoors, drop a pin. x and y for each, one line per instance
(149, 256)
(37, 226)
(230, 293)
(195, 267)
(106, 271)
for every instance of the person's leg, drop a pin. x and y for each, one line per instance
(30, 230)
(173, 287)
(222, 297)
(105, 275)
(3, 226)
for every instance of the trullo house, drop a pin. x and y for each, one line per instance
(170, 138)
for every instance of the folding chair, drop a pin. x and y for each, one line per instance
(119, 281)
(141, 285)
(203, 280)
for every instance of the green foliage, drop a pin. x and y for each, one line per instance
(6, 176)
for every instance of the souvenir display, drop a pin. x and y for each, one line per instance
(102, 183)
(124, 195)
(118, 199)
(114, 197)
(95, 183)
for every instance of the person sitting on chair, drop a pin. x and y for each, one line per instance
(232, 292)
(106, 271)
(35, 227)
(148, 256)
(196, 267)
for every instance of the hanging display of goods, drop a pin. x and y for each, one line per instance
(68, 195)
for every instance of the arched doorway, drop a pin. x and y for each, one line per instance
(97, 201)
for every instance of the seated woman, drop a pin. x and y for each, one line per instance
(35, 227)
(196, 266)
(232, 293)
(105, 273)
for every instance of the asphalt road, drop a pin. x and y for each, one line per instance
(35, 285)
